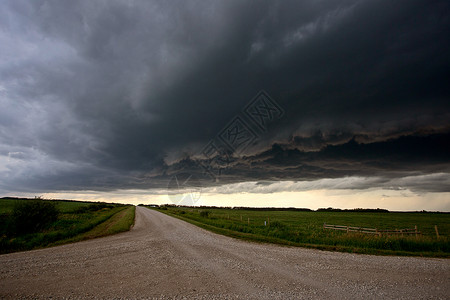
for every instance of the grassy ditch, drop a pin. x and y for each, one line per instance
(305, 228)
(27, 224)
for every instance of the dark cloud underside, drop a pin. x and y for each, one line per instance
(102, 96)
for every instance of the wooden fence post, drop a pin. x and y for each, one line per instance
(248, 220)
(437, 232)
(415, 230)
(347, 229)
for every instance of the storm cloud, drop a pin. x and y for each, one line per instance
(125, 94)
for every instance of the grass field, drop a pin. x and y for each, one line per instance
(119, 222)
(305, 228)
(76, 221)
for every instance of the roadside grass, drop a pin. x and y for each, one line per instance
(119, 222)
(305, 228)
(76, 221)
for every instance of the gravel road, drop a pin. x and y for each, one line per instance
(163, 257)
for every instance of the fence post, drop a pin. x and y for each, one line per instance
(415, 230)
(347, 229)
(437, 232)
(324, 224)
(248, 220)
(241, 218)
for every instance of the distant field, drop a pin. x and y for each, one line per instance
(305, 228)
(76, 221)
(7, 205)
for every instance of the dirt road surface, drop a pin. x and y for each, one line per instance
(163, 257)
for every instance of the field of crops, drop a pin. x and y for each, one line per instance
(305, 228)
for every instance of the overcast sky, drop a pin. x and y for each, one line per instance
(238, 96)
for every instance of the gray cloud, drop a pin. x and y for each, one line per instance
(112, 95)
(420, 183)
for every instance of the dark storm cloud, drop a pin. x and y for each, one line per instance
(104, 96)
(403, 162)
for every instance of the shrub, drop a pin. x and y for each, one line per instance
(33, 216)
(99, 206)
(204, 214)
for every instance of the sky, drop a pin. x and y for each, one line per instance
(229, 103)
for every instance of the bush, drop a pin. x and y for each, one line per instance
(99, 206)
(204, 214)
(33, 216)
(93, 207)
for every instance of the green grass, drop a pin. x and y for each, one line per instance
(64, 206)
(305, 228)
(76, 221)
(120, 222)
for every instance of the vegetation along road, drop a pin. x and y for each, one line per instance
(164, 257)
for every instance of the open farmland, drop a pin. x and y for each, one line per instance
(305, 228)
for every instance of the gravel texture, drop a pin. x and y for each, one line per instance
(166, 258)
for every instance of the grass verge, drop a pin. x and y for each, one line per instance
(76, 221)
(119, 222)
(304, 229)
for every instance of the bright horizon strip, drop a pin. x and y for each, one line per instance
(345, 193)
(393, 200)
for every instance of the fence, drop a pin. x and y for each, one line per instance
(375, 231)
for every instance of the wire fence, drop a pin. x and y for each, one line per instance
(379, 232)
